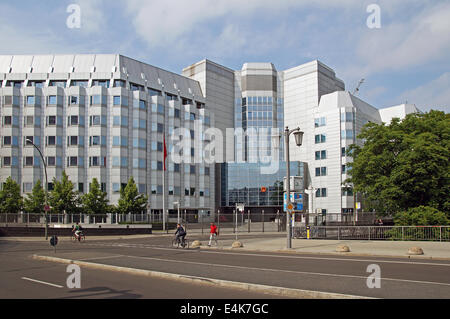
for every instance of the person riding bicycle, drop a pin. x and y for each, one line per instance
(180, 233)
(77, 230)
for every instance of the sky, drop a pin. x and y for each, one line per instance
(401, 48)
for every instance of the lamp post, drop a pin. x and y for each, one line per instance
(298, 140)
(178, 204)
(46, 187)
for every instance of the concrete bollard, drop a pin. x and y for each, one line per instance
(196, 244)
(415, 251)
(342, 249)
(237, 244)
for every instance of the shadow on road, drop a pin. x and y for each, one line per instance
(102, 292)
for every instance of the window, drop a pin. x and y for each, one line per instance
(320, 138)
(116, 100)
(320, 155)
(347, 191)
(27, 187)
(97, 120)
(192, 169)
(74, 100)
(176, 168)
(153, 92)
(28, 161)
(103, 83)
(319, 122)
(160, 166)
(192, 117)
(61, 84)
(51, 161)
(97, 161)
(347, 134)
(321, 171)
(6, 161)
(119, 83)
(321, 192)
(120, 121)
(207, 171)
(80, 83)
(51, 140)
(116, 187)
(120, 141)
(344, 169)
(136, 87)
(75, 120)
(347, 117)
(177, 113)
(140, 123)
(7, 120)
(52, 100)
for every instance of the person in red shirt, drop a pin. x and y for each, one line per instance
(213, 234)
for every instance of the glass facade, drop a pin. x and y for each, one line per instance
(244, 183)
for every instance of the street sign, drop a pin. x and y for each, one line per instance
(47, 208)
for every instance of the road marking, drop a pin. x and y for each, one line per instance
(284, 271)
(42, 282)
(281, 256)
(332, 258)
(106, 257)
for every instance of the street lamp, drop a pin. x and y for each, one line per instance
(46, 187)
(178, 204)
(298, 140)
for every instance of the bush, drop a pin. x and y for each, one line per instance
(421, 216)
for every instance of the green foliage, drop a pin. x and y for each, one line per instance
(421, 216)
(405, 164)
(34, 203)
(63, 198)
(95, 202)
(11, 201)
(130, 200)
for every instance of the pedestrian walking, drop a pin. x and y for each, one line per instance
(213, 234)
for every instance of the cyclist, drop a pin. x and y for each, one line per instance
(180, 233)
(77, 230)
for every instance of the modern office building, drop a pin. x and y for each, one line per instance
(103, 116)
(106, 116)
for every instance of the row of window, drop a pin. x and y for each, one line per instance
(98, 161)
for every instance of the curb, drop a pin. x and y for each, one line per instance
(284, 292)
(349, 254)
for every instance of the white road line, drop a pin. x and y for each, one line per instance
(97, 258)
(42, 282)
(285, 271)
(289, 257)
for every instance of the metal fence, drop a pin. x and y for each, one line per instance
(25, 219)
(403, 233)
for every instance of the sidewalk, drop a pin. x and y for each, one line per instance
(386, 248)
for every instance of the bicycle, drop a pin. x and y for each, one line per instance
(176, 243)
(82, 237)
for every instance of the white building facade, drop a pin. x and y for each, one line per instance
(102, 116)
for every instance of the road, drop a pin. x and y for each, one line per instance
(24, 277)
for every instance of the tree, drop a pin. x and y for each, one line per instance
(405, 164)
(63, 198)
(34, 203)
(130, 200)
(11, 201)
(95, 202)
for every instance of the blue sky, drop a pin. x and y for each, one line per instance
(406, 59)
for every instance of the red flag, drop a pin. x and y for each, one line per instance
(165, 153)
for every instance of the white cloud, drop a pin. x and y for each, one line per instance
(163, 22)
(432, 95)
(401, 45)
(93, 19)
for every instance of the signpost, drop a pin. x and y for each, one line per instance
(239, 207)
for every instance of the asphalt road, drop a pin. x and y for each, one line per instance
(400, 277)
